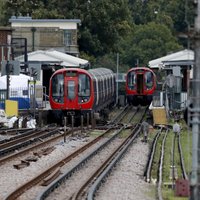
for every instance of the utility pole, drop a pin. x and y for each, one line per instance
(117, 76)
(7, 79)
(195, 111)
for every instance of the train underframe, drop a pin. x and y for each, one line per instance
(100, 113)
(142, 100)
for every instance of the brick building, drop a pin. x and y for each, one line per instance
(5, 41)
(43, 34)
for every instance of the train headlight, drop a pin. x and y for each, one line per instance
(85, 99)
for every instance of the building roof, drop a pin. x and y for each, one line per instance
(54, 57)
(27, 21)
(5, 28)
(184, 57)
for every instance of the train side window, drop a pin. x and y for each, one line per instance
(58, 88)
(131, 80)
(100, 86)
(113, 85)
(149, 80)
(84, 85)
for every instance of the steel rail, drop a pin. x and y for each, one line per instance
(159, 184)
(181, 158)
(111, 161)
(24, 141)
(68, 173)
(118, 155)
(19, 191)
(20, 152)
(147, 173)
(120, 115)
(5, 141)
(18, 133)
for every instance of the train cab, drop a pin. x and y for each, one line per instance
(75, 91)
(140, 85)
(71, 90)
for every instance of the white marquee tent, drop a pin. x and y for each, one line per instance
(20, 81)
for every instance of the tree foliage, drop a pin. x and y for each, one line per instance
(140, 30)
(149, 41)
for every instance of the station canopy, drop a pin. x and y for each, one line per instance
(53, 57)
(180, 58)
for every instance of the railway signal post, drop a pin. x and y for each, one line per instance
(195, 111)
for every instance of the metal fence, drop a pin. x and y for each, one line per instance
(159, 100)
(27, 98)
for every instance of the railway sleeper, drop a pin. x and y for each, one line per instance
(45, 151)
(32, 159)
(21, 165)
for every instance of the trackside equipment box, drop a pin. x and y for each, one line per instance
(159, 116)
(11, 108)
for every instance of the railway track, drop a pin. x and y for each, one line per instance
(55, 169)
(26, 139)
(184, 173)
(103, 169)
(149, 166)
(176, 151)
(57, 134)
(98, 177)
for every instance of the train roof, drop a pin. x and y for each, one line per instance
(139, 68)
(101, 73)
(93, 72)
(71, 69)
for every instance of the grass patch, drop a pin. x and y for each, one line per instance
(186, 139)
(125, 133)
(169, 194)
(156, 159)
(95, 132)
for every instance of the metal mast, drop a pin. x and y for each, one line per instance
(195, 111)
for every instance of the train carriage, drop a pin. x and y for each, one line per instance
(140, 85)
(75, 91)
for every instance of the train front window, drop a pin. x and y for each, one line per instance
(149, 80)
(83, 88)
(58, 88)
(131, 80)
(71, 90)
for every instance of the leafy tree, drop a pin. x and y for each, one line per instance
(140, 30)
(2, 13)
(148, 42)
(173, 13)
(104, 24)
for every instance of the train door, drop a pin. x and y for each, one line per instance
(71, 91)
(140, 83)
